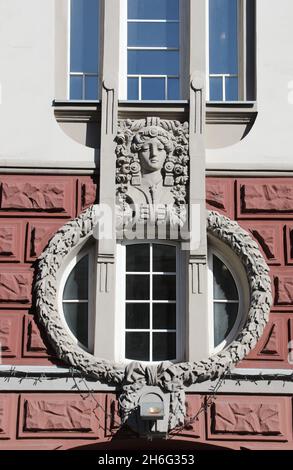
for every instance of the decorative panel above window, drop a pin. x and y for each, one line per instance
(153, 50)
(84, 50)
(231, 64)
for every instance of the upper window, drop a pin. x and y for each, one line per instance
(84, 50)
(153, 50)
(231, 51)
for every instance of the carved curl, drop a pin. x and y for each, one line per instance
(170, 377)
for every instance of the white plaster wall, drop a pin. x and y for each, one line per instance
(29, 133)
(269, 145)
(30, 136)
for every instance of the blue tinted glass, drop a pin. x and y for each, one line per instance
(223, 36)
(153, 89)
(231, 89)
(153, 9)
(76, 88)
(132, 89)
(153, 34)
(153, 62)
(76, 316)
(173, 89)
(216, 93)
(84, 39)
(91, 88)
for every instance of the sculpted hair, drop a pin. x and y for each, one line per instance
(147, 133)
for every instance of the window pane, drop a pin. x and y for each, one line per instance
(137, 287)
(216, 89)
(153, 88)
(224, 284)
(164, 316)
(153, 9)
(153, 62)
(153, 34)
(84, 37)
(164, 287)
(173, 89)
(91, 88)
(138, 258)
(137, 316)
(76, 88)
(164, 346)
(164, 258)
(225, 315)
(231, 89)
(132, 89)
(76, 287)
(137, 346)
(223, 36)
(76, 316)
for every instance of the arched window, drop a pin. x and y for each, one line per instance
(77, 297)
(228, 298)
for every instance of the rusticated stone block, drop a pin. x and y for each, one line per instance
(220, 195)
(194, 419)
(113, 420)
(252, 417)
(33, 343)
(39, 234)
(11, 241)
(273, 344)
(269, 237)
(265, 196)
(15, 285)
(59, 415)
(7, 416)
(88, 194)
(283, 283)
(38, 194)
(10, 338)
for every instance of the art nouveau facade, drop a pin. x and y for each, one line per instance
(146, 224)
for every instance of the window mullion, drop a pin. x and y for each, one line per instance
(151, 302)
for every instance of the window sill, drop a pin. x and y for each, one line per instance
(238, 112)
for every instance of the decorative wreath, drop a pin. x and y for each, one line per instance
(170, 377)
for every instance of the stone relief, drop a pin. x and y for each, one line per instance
(171, 378)
(152, 172)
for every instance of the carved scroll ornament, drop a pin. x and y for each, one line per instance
(172, 378)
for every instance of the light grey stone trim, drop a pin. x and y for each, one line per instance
(56, 379)
(171, 378)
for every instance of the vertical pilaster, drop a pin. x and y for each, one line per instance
(198, 347)
(105, 247)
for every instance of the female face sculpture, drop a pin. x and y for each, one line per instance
(152, 155)
(152, 145)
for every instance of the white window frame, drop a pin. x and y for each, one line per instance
(81, 74)
(87, 249)
(237, 271)
(242, 57)
(123, 66)
(120, 310)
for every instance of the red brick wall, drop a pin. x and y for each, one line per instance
(32, 208)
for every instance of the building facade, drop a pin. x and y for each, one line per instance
(146, 221)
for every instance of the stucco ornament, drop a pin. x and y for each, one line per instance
(151, 172)
(171, 378)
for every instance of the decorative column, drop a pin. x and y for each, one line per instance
(106, 239)
(197, 325)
